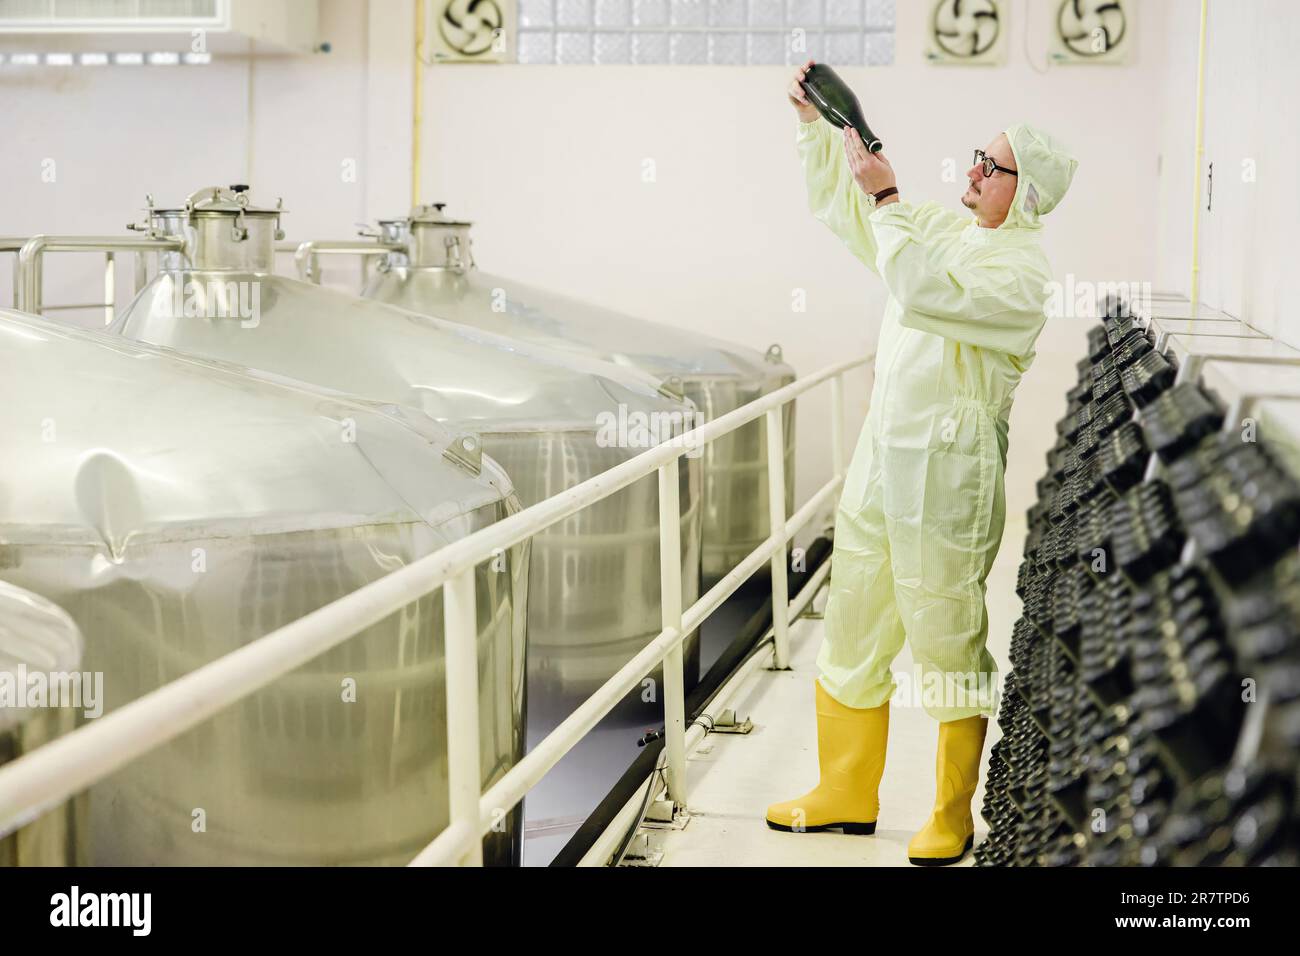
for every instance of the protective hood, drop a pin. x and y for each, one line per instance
(1044, 168)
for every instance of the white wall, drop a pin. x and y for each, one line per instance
(1248, 235)
(549, 162)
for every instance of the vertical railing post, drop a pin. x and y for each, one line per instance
(465, 779)
(31, 286)
(837, 425)
(670, 593)
(110, 287)
(140, 273)
(776, 524)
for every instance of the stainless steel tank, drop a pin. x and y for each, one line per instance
(430, 269)
(551, 419)
(178, 509)
(40, 668)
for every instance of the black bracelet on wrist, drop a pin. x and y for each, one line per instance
(885, 193)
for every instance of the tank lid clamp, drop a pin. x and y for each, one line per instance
(466, 450)
(673, 387)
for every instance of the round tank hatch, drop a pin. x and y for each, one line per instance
(431, 214)
(234, 200)
(222, 229)
(432, 240)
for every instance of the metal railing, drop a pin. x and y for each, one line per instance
(306, 255)
(28, 290)
(44, 778)
(603, 848)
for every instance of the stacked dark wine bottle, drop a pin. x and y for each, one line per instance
(1151, 715)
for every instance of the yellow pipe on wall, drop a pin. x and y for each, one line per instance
(1200, 158)
(417, 103)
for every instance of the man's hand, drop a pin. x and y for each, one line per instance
(871, 171)
(798, 99)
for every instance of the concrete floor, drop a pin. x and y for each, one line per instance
(734, 778)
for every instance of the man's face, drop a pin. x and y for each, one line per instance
(989, 197)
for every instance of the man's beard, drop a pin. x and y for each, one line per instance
(968, 203)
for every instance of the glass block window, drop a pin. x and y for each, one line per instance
(704, 32)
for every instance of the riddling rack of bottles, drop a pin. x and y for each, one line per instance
(1152, 713)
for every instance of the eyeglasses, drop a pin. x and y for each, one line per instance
(982, 159)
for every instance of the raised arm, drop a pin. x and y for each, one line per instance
(833, 196)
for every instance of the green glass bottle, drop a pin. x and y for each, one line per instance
(837, 104)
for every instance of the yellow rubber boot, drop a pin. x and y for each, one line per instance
(950, 831)
(851, 755)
